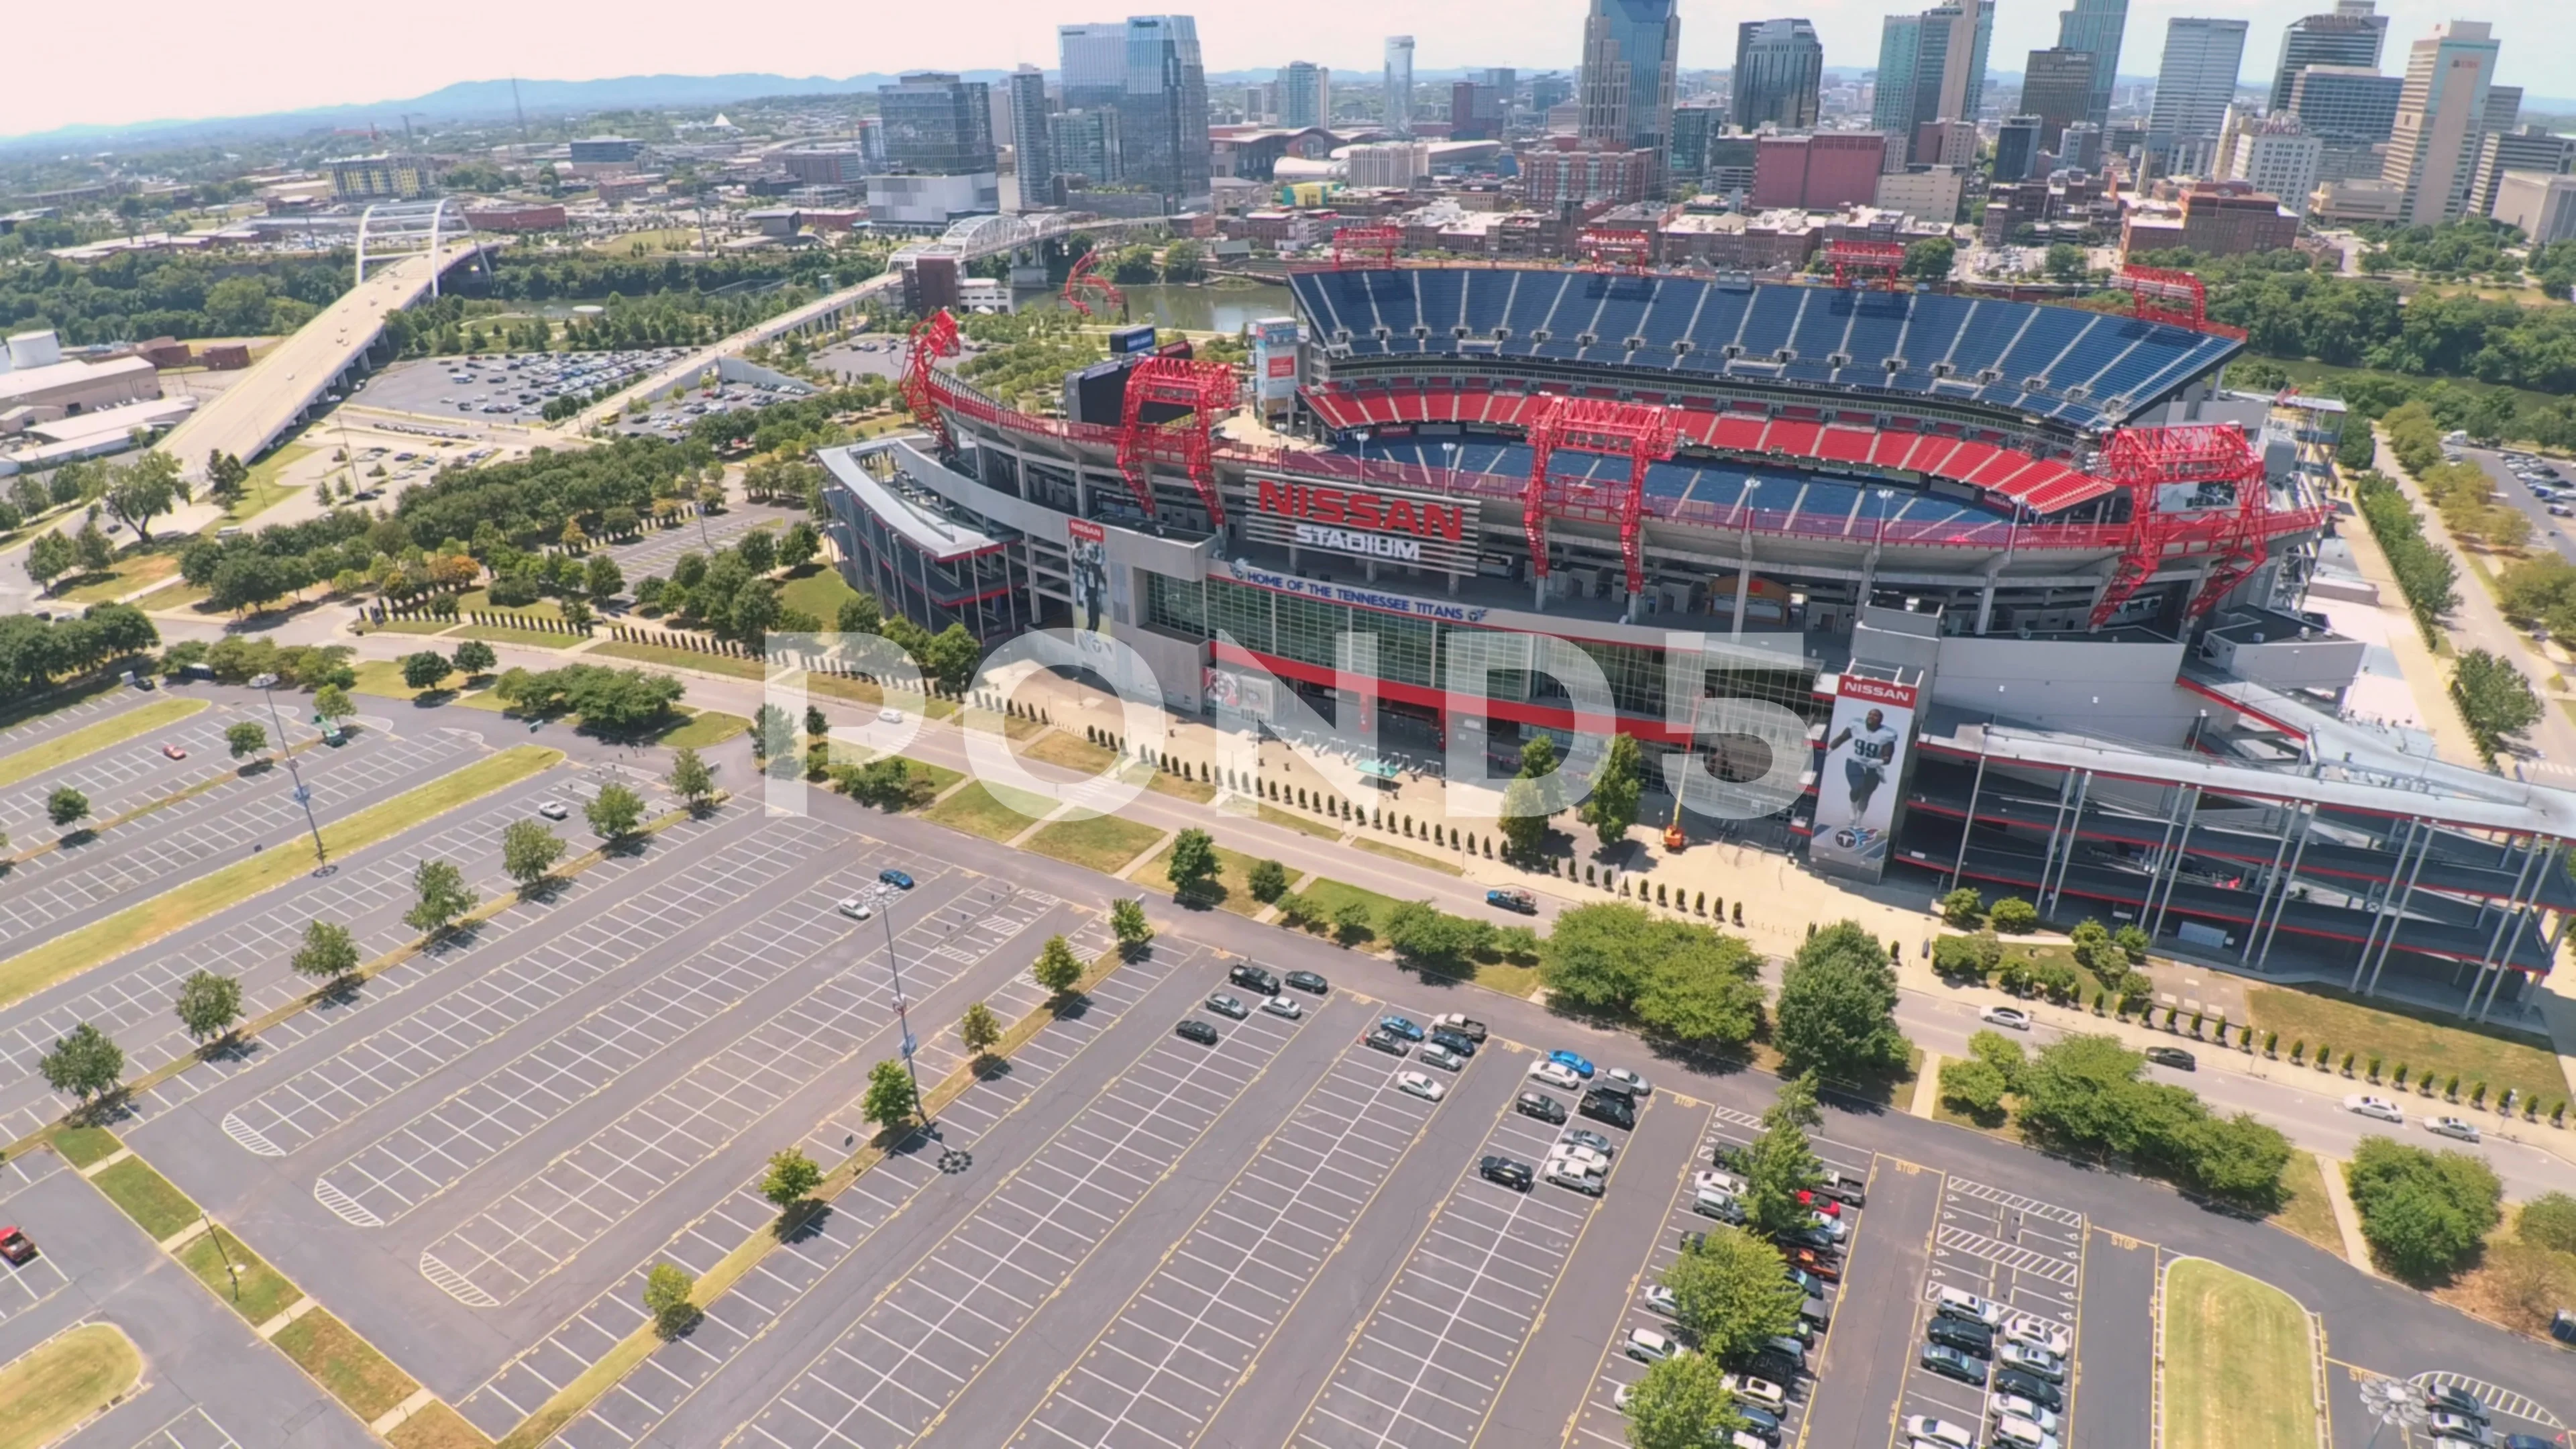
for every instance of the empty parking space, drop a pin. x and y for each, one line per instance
(1162, 1368)
(908, 1357)
(127, 773)
(24, 1285)
(1424, 1368)
(70, 717)
(655, 553)
(195, 1429)
(496, 1254)
(2025, 1255)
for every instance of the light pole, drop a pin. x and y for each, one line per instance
(267, 687)
(903, 1019)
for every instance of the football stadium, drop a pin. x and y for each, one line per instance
(2036, 584)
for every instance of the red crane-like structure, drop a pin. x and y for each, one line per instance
(933, 338)
(2194, 492)
(1366, 246)
(1616, 249)
(1083, 283)
(1641, 431)
(2161, 294)
(1208, 390)
(1850, 257)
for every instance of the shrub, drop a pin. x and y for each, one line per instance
(2013, 916)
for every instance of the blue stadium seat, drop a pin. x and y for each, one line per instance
(1988, 330)
(1933, 328)
(2050, 330)
(1820, 331)
(1774, 313)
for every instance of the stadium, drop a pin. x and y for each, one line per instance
(2033, 580)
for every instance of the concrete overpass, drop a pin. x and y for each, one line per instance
(823, 314)
(320, 358)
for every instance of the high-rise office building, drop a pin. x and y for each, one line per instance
(1479, 110)
(1032, 152)
(2441, 118)
(2276, 156)
(1399, 85)
(937, 124)
(2096, 27)
(1694, 127)
(2017, 148)
(1092, 60)
(1779, 74)
(1549, 91)
(1304, 95)
(1631, 52)
(2057, 87)
(1163, 117)
(1085, 144)
(2531, 148)
(2346, 102)
(2352, 36)
(2504, 108)
(1932, 67)
(2080, 149)
(2194, 85)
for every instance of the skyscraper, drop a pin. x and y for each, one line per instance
(1085, 144)
(2352, 36)
(2194, 85)
(1093, 60)
(1399, 84)
(1630, 51)
(1932, 67)
(1032, 152)
(1779, 74)
(2017, 147)
(2441, 118)
(1304, 95)
(2057, 87)
(2533, 148)
(2351, 110)
(937, 124)
(2096, 28)
(1900, 47)
(1163, 116)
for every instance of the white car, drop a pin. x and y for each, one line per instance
(857, 909)
(1648, 1346)
(1637, 1086)
(1659, 1299)
(1951, 1303)
(1939, 1431)
(2012, 1017)
(2018, 1433)
(555, 810)
(1580, 1155)
(1282, 1006)
(1762, 1393)
(2369, 1106)
(1620, 1396)
(1556, 1075)
(890, 715)
(2057, 1338)
(1709, 1179)
(1433, 1054)
(2460, 1127)
(2457, 1426)
(1421, 1086)
(2015, 1406)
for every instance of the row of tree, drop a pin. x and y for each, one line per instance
(36, 653)
(148, 294)
(2426, 575)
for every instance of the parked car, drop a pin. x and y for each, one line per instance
(1454, 1041)
(1566, 1172)
(2369, 1106)
(1468, 1027)
(1580, 1155)
(1308, 981)
(1400, 1027)
(1636, 1086)
(1253, 978)
(1950, 1363)
(173, 751)
(898, 879)
(1929, 1430)
(1609, 1107)
(2172, 1056)
(1380, 1039)
(1193, 1029)
(1554, 1074)
(1435, 1055)
(1974, 1339)
(16, 1246)
(2450, 1399)
(1589, 1138)
(1846, 1189)
(2459, 1127)
(2031, 1359)
(2000, 1404)
(2057, 1338)
(1284, 1006)
(1762, 1392)
(1659, 1299)
(1507, 1173)
(2448, 1425)
(2032, 1387)
(1952, 1303)
(857, 909)
(1571, 1062)
(1542, 1106)
(1226, 1005)
(1420, 1085)
(1647, 1346)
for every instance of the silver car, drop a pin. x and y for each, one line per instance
(1433, 1054)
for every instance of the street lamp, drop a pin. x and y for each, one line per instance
(894, 965)
(267, 685)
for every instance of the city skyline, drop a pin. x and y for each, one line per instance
(192, 66)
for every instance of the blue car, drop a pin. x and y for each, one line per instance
(1401, 1027)
(1571, 1063)
(895, 878)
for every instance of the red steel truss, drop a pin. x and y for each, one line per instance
(1616, 249)
(1208, 390)
(2162, 295)
(1642, 431)
(1367, 246)
(1851, 257)
(1082, 282)
(2194, 492)
(933, 337)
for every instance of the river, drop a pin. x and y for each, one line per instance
(1224, 307)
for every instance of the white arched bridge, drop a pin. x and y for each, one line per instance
(982, 236)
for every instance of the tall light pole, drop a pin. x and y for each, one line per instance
(902, 1016)
(267, 687)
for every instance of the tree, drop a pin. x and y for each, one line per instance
(1193, 862)
(798, 546)
(773, 734)
(2425, 1214)
(84, 1063)
(858, 615)
(666, 1298)
(890, 1100)
(979, 1029)
(602, 579)
(692, 780)
(475, 657)
(1780, 1163)
(1612, 807)
(332, 703)
(1731, 1294)
(529, 851)
(327, 951)
(1930, 260)
(2075, 1092)
(614, 813)
(1963, 907)
(790, 1177)
(2549, 1221)
(1268, 880)
(1056, 968)
(1973, 1087)
(759, 550)
(143, 490)
(245, 738)
(1837, 1009)
(208, 1005)
(1352, 922)
(1534, 794)
(425, 669)
(2238, 1158)
(65, 805)
(225, 475)
(97, 554)
(2012, 916)
(1682, 1403)
(2495, 700)
(440, 896)
(2065, 262)
(50, 556)
(1127, 922)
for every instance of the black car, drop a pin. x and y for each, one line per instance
(1196, 1030)
(1253, 978)
(2174, 1057)
(1776, 1366)
(1387, 1041)
(1514, 1175)
(1453, 1041)
(1974, 1339)
(1761, 1423)
(2446, 1399)
(1810, 1237)
(1542, 1106)
(1309, 981)
(1950, 1363)
(1693, 1239)
(1610, 1107)
(2032, 1387)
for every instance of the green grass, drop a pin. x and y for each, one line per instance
(527, 638)
(2304, 1208)
(263, 1293)
(2423, 1039)
(350, 1367)
(1067, 752)
(138, 925)
(988, 811)
(1320, 829)
(480, 601)
(177, 594)
(1325, 899)
(383, 678)
(81, 1146)
(1104, 843)
(703, 728)
(1409, 857)
(261, 491)
(1231, 890)
(819, 590)
(682, 659)
(63, 1381)
(144, 1195)
(1180, 787)
(2239, 1372)
(1009, 726)
(63, 749)
(132, 572)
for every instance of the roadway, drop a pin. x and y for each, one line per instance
(687, 368)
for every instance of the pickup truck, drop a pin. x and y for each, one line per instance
(1513, 899)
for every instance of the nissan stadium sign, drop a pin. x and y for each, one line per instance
(1418, 530)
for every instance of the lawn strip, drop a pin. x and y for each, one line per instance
(995, 812)
(2304, 1208)
(357, 1375)
(116, 729)
(1321, 830)
(2426, 1042)
(64, 1382)
(2239, 1368)
(1103, 843)
(235, 1274)
(154, 1202)
(1398, 852)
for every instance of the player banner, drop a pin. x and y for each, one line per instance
(1864, 759)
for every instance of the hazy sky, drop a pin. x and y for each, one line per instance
(111, 64)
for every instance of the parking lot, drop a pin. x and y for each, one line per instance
(654, 553)
(506, 388)
(2016, 1252)
(195, 1429)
